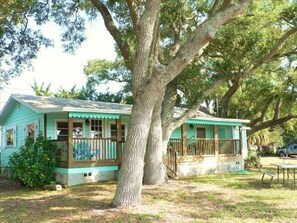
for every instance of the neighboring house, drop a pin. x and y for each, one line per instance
(91, 137)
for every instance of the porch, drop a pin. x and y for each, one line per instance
(93, 152)
(88, 158)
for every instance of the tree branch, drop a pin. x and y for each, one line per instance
(225, 5)
(269, 124)
(273, 51)
(200, 39)
(134, 16)
(263, 113)
(214, 8)
(156, 42)
(227, 97)
(145, 38)
(277, 108)
(114, 32)
(193, 110)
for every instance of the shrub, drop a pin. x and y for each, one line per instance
(33, 165)
(253, 160)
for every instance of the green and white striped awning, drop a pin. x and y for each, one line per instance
(93, 115)
(212, 122)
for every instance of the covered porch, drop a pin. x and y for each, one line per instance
(76, 152)
(183, 153)
(195, 156)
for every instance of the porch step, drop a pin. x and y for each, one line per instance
(171, 174)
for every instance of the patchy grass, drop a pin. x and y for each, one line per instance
(233, 197)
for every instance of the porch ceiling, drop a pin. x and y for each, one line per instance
(93, 115)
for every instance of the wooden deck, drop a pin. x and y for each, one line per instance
(88, 152)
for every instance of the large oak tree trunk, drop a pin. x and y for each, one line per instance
(128, 191)
(154, 169)
(147, 74)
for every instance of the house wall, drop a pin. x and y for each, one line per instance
(18, 118)
(74, 176)
(192, 166)
(224, 132)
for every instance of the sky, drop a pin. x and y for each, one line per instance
(61, 69)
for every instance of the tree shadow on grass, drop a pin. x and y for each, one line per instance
(209, 205)
(84, 203)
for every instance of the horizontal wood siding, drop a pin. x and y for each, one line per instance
(19, 117)
(191, 131)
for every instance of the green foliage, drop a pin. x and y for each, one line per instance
(253, 160)
(20, 35)
(41, 90)
(34, 163)
(290, 133)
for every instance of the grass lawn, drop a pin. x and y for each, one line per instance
(234, 197)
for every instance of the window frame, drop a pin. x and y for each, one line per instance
(65, 136)
(100, 127)
(123, 131)
(26, 135)
(200, 128)
(14, 134)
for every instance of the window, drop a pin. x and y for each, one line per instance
(200, 133)
(62, 130)
(30, 131)
(10, 137)
(96, 129)
(113, 131)
(77, 130)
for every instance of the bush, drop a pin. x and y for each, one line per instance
(253, 160)
(33, 165)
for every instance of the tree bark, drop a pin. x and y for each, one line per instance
(269, 124)
(154, 168)
(128, 192)
(146, 92)
(148, 80)
(227, 97)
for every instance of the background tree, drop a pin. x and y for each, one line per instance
(258, 65)
(19, 41)
(41, 90)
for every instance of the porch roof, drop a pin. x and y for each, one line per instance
(214, 121)
(92, 115)
(95, 109)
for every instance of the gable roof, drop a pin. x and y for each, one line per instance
(90, 109)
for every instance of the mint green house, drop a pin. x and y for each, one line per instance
(91, 138)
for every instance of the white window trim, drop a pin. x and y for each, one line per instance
(104, 128)
(14, 128)
(35, 123)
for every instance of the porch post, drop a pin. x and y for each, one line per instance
(45, 125)
(240, 141)
(119, 141)
(216, 139)
(70, 140)
(184, 138)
